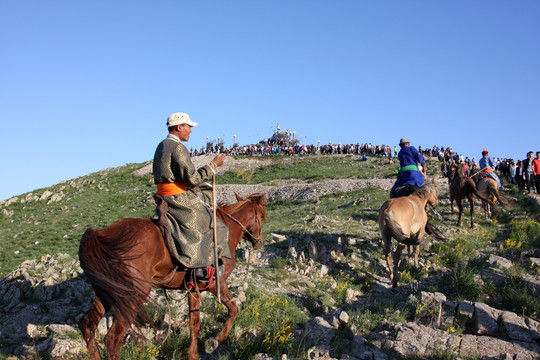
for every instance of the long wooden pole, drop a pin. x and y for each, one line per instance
(215, 237)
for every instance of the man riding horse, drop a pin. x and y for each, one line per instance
(487, 166)
(184, 200)
(409, 177)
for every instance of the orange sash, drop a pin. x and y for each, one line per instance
(486, 170)
(169, 189)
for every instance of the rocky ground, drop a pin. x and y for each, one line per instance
(42, 299)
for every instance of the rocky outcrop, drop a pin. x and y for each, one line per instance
(42, 300)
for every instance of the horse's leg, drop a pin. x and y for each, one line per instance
(388, 254)
(226, 298)
(114, 338)
(194, 324)
(88, 325)
(416, 255)
(471, 202)
(460, 208)
(397, 257)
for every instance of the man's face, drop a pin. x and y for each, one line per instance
(184, 131)
(538, 155)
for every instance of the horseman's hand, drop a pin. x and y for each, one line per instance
(219, 160)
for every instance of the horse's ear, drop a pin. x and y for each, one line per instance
(238, 197)
(262, 199)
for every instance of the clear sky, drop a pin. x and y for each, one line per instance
(87, 85)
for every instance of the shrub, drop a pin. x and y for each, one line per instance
(464, 284)
(518, 297)
(526, 232)
(278, 262)
(266, 324)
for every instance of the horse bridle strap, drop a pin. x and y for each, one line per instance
(258, 238)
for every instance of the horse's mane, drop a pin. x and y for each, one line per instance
(428, 189)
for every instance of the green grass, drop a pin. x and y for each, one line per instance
(313, 168)
(36, 228)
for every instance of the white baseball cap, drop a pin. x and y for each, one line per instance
(179, 118)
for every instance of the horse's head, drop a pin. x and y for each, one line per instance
(453, 171)
(433, 198)
(429, 191)
(249, 214)
(255, 234)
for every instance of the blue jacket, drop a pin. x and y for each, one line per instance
(409, 155)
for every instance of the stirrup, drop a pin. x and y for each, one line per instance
(204, 274)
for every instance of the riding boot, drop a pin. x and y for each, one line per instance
(206, 274)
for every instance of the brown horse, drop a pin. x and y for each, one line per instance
(405, 219)
(462, 187)
(487, 186)
(125, 260)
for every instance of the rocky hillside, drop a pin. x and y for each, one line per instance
(42, 299)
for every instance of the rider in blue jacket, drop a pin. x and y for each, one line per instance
(409, 177)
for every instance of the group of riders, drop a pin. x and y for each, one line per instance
(184, 196)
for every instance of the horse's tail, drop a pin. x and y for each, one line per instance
(492, 185)
(397, 232)
(471, 188)
(104, 261)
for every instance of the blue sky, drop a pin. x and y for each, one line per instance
(87, 85)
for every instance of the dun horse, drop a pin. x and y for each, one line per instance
(487, 186)
(125, 260)
(462, 187)
(404, 219)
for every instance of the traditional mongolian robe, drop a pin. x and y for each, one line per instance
(189, 200)
(408, 174)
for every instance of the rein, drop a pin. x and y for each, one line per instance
(258, 238)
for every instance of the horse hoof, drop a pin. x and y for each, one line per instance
(211, 345)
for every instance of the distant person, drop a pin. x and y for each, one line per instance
(519, 175)
(184, 197)
(528, 173)
(536, 170)
(444, 169)
(409, 176)
(487, 166)
(512, 172)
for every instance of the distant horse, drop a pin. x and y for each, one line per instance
(125, 260)
(405, 219)
(462, 187)
(488, 187)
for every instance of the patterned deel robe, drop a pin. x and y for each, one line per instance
(189, 214)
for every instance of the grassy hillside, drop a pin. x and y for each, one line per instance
(342, 227)
(32, 227)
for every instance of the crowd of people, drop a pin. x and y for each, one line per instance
(523, 173)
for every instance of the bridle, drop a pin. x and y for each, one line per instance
(255, 239)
